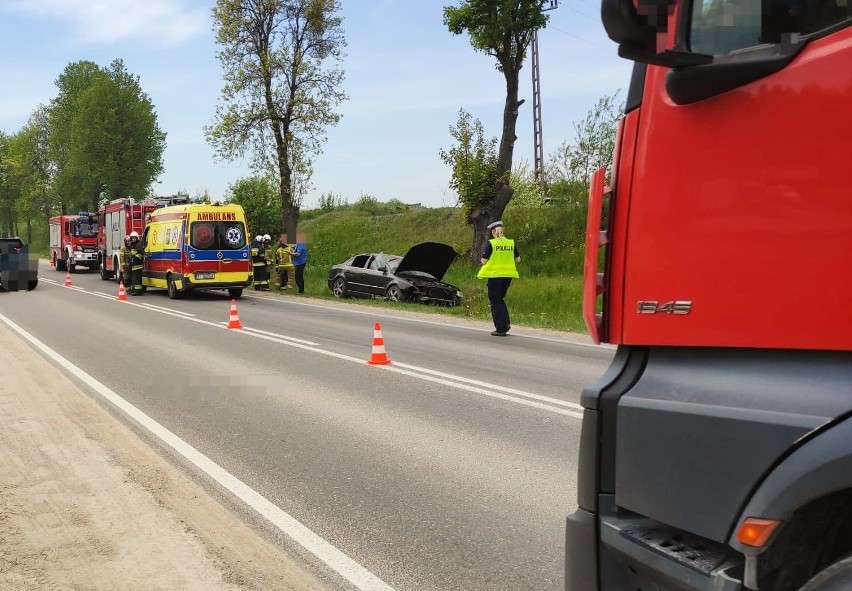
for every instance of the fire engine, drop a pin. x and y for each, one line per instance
(716, 451)
(74, 241)
(118, 219)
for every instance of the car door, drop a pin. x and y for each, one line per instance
(376, 275)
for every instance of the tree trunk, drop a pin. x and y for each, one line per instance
(29, 231)
(484, 215)
(291, 221)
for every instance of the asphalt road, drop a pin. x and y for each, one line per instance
(454, 469)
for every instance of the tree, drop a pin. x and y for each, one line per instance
(502, 29)
(36, 202)
(473, 161)
(282, 86)
(592, 147)
(104, 135)
(259, 198)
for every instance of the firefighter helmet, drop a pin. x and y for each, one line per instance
(267, 237)
(258, 238)
(134, 234)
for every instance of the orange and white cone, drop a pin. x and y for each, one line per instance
(68, 279)
(52, 264)
(379, 356)
(122, 295)
(234, 320)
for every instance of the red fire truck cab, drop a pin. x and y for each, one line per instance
(116, 220)
(74, 241)
(716, 451)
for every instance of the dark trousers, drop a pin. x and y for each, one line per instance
(260, 276)
(137, 282)
(497, 288)
(300, 277)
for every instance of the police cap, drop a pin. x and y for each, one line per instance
(498, 224)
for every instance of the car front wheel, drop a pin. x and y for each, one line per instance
(338, 287)
(394, 294)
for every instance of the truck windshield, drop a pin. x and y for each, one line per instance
(723, 26)
(86, 229)
(217, 235)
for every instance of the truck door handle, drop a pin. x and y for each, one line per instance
(227, 260)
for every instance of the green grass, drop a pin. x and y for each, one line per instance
(547, 295)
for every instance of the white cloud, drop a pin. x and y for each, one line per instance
(165, 22)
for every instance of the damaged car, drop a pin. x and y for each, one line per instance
(415, 277)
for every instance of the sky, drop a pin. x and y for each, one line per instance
(406, 78)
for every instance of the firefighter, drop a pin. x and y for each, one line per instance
(284, 259)
(124, 262)
(268, 257)
(258, 264)
(136, 260)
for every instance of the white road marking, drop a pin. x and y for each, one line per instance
(165, 309)
(346, 567)
(477, 387)
(274, 334)
(421, 321)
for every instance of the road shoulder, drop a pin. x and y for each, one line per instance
(86, 504)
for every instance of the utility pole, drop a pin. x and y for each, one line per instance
(537, 136)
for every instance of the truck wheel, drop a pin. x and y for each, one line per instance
(105, 275)
(59, 264)
(174, 294)
(235, 292)
(71, 267)
(837, 577)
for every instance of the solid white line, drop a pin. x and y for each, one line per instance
(165, 309)
(421, 321)
(487, 390)
(353, 572)
(547, 399)
(275, 334)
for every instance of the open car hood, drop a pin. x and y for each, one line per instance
(429, 257)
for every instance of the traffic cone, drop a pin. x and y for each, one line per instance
(68, 279)
(122, 295)
(378, 357)
(51, 262)
(234, 320)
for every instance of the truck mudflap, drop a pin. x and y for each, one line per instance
(639, 553)
(581, 551)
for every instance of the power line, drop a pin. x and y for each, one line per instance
(591, 18)
(580, 39)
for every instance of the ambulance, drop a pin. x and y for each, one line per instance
(197, 247)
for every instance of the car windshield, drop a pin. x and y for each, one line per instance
(217, 235)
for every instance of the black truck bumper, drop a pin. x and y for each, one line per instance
(624, 553)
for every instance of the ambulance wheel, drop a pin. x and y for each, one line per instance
(32, 284)
(235, 292)
(174, 294)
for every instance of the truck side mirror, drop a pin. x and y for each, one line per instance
(636, 25)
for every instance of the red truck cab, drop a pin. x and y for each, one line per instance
(74, 241)
(716, 451)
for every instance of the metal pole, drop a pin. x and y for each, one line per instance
(538, 142)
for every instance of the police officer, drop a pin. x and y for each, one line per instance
(499, 257)
(124, 262)
(136, 259)
(258, 264)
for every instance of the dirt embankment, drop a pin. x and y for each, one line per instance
(85, 504)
